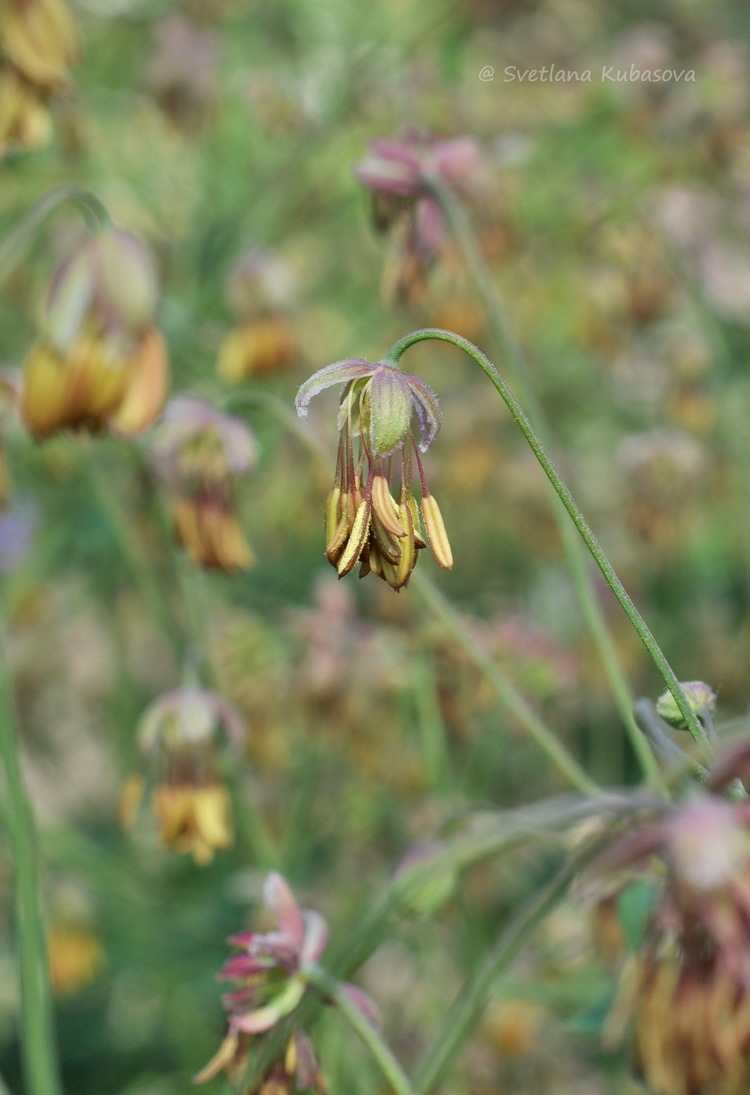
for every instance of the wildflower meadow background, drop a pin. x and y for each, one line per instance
(447, 854)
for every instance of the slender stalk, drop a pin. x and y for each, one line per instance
(468, 1006)
(38, 1035)
(20, 239)
(332, 990)
(508, 695)
(571, 506)
(514, 359)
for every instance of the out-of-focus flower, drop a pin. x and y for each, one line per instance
(398, 174)
(364, 522)
(75, 957)
(688, 989)
(101, 361)
(180, 740)
(271, 978)
(263, 345)
(38, 43)
(39, 37)
(200, 453)
(183, 72)
(664, 469)
(24, 113)
(261, 290)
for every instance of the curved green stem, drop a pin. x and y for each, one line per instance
(333, 990)
(513, 357)
(37, 1027)
(21, 238)
(567, 499)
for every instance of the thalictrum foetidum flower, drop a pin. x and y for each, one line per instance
(365, 523)
(39, 42)
(260, 292)
(270, 975)
(687, 990)
(39, 37)
(200, 453)
(398, 174)
(181, 737)
(101, 362)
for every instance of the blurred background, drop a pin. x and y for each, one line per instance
(614, 216)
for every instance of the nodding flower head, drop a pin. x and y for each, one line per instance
(365, 523)
(270, 972)
(400, 176)
(100, 362)
(181, 737)
(200, 453)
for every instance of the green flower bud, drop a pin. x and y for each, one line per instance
(699, 697)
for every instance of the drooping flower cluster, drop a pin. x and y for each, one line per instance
(270, 973)
(181, 736)
(688, 990)
(365, 523)
(398, 174)
(101, 362)
(260, 290)
(38, 43)
(200, 453)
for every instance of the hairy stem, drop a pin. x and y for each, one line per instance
(575, 514)
(574, 552)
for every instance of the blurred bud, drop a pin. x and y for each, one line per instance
(259, 283)
(699, 696)
(427, 887)
(200, 453)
